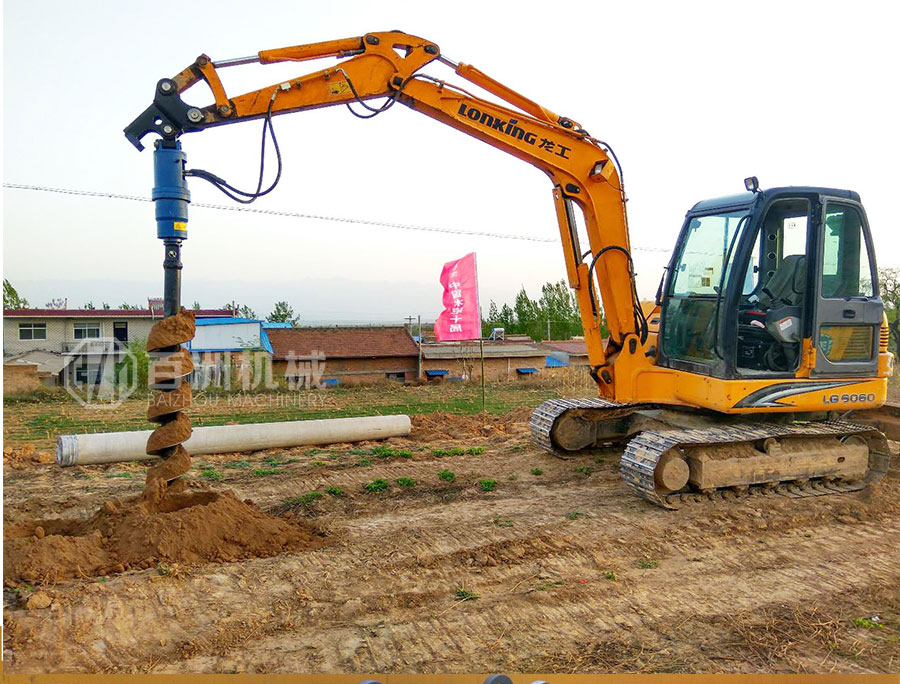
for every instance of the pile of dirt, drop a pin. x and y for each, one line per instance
(441, 425)
(180, 527)
(24, 456)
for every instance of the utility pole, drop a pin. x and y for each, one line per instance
(420, 347)
(409, 320)
(548, 328)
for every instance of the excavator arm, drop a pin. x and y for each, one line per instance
(388, 65)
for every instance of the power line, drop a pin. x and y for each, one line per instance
(294, 214)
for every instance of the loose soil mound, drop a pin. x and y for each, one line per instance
(182, 527)
(24, 456)
(442, 425)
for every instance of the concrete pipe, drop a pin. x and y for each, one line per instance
(117, 447)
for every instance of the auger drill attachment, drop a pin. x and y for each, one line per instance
(172, 362)
(171, 365)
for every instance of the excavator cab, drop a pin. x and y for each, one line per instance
(761, 280)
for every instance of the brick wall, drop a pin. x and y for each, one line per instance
(361, 371)
(495, 369)
(19, 378)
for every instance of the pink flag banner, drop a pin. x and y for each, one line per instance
(460, 319)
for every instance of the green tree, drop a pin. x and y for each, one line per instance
(528, 315)
(88, 305)
(889, 287)
(11, 298)
(559, 309)
(240, 310)
(196, 306)
(283, 313)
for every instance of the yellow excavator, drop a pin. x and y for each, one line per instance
(764, 362)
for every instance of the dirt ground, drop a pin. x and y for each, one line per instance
(556, 569)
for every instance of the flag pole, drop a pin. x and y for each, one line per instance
(480, 338)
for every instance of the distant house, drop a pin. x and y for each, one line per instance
(566, 353)
(506, 360)
(344, 356)
(78, 338)
(223, 345)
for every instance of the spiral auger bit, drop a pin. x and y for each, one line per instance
(171, 362)
(171, 366)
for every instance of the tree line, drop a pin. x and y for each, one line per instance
(282, 313)
(553, 316)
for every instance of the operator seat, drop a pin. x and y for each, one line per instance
(782, 301)
(787, 284)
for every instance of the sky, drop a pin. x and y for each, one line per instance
(693, 97)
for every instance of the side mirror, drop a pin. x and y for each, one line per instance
(752, 184)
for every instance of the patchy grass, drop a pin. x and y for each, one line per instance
(502, 522)
(487, 485)
(647, 563)
(466, 595)
(376, 485)
(318, 464)
(384, 451)
(867, 623)
(549, 585)
(537, 471)
(364, 462)
(406, 482)
(239, 465)
(610, 575)
(574, 515)
(334, 491)
(304, 499)
(264, 472)
(447, 475)
(584, 470)
(211, 474)
(475, 451)
(125, 475)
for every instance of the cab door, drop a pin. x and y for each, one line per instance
(848, 307)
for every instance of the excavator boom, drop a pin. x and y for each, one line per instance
(753, 320)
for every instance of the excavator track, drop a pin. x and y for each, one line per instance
(644, 452)
(546, 415)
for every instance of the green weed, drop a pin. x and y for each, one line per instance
(211, 474)
(466, 595)
(335, 491)
(126, 475)
(537, 471)
(573, 515)
(376, 485)
(610, 575)
(647, 564)
(501, 522)
(263, 472)
(304, 499)
(584, 470)
(867, 623)
(406, 482)
(487, 485)
(447, 475)
(239, 465)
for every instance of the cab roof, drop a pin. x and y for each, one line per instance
(745, 199)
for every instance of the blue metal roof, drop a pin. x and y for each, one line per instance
(556, 363)
(526, 371)
(274, 324)
(435, 373)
